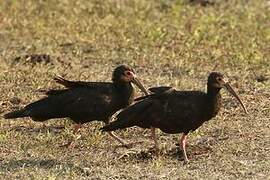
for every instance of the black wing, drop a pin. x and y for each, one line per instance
(145, 113)
(76, 84)
(160, 89)
(172, 112)
(157, 91)
(80, 104)
(133, 115)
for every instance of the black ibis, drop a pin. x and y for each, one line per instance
(83, 102)
(175, 111)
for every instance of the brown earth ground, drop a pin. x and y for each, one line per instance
(168, 42)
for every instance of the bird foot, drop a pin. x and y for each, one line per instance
(69, 144)
(66, 145)
(158, 152)
(128, 145)
(186, 161)
(155, 151)
(131, 144)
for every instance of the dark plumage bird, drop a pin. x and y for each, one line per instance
(83, 102)
(175, 111)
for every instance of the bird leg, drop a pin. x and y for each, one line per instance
(76, 129)
(121, 141)
(183, 147)
(153, 134)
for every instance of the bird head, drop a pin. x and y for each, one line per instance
(125, 74)
(217, 80)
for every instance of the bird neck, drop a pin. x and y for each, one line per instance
(125, 91)
(214, 99)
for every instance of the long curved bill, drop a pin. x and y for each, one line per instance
(230, 90)
(137, 82)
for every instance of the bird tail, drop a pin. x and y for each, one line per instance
(157, 92)
(15, 114)
(55, 92)
(128, 117)
(118, 124)
(142, 97)
(63, 81)
(67, 83)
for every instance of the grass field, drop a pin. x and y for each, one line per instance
(168, 42)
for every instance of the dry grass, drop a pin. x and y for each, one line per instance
(168, 42)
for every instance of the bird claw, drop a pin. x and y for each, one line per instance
(155, 151)
(128, 145)
(67, 145)
(186, 161)
(71, 142)
(158, 153)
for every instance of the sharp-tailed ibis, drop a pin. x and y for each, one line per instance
(175, 111)
(83, 102)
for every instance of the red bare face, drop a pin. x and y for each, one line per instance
(128, 76)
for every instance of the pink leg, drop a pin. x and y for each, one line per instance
(118, 139)
(154, 136)
(76, 129)
(183, 147)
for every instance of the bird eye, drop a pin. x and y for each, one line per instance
(128, 73)
(219, 79)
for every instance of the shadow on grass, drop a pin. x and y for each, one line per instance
(44, 129)
(46, 164)
(193, 151)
